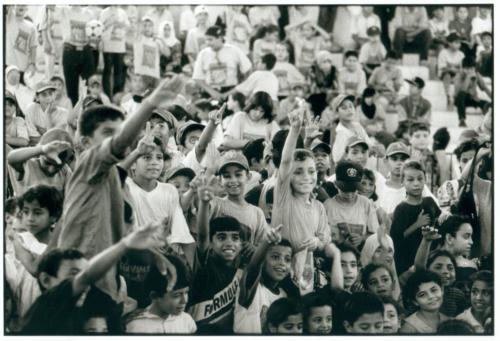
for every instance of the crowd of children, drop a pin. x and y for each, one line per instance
(212, 170)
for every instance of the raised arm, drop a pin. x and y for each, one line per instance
(295, 117)
(214, 119)
(18, 157)
(429, 234)
(337, 276)
(205, 195)
(145, 146)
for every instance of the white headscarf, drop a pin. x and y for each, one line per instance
(371, 245)
(171, 40)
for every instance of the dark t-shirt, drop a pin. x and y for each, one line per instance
(405, 215)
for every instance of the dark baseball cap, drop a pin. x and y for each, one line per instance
(417, 81)
(318, 144)
(373, 31)
(180, 171)
(348, 175)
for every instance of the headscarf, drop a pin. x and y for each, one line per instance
(171, 40)
(371, 245)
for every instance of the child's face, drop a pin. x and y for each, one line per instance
(465, 157)
(256, 114)
(173, 302)
(322, 159)
(481, 296)
(325, 64)
(462, 13)
(391, 319)
(346, 111)
(372, 323)
(390, 64)
(278, 262)
(486, 40)
(414, 181)
(350, 269)
(10, 108)
(49, 166)
(191, 139)
(106, 129)
(351, 63)
(35, 217)
(213, 42)
(380, 282)
(348, 197)
(292, 325)
(147, 28)
(68, 269)
(160, 128)
(396, 163)
(308, 31)
(320, 320)
(367, 187)
(59, 85)
(438, 13)
(234, 179)
(97, 325)
(383, 256)
(281, 53)
(304, 176)
(137, 84)
(13, 77)
(167, 30)
(180, 182)
(272, 37)
(149, 166)
(429, 296)
(462, 242)
(46, 97)
(201, 19)
(95, 89)
(358, 154)
(484, 12)
(374, 38)
(414, 90)
(420, 139)
(444, 267)
(226, 244)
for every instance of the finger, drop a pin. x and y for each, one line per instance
(148, 129)
(171, 275)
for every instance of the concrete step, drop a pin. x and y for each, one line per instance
(434, 93)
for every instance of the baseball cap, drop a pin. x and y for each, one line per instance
(337, 101)
(417, 81)
(94, 79)
(355, 140)
(185, 128)
(179, 170)
(166, 116)
(44, 85)
(316, 144)
(233, 157)
(11, 68)
(348, 175)
(452, 37)
(88, 100)
(200, 9)
(373, 31)
(397, 148)
(215, 31)
(147, 17)
(11, 96)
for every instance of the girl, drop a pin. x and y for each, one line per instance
(167, 34)
(256, 122)
(235, 105)
(349, 261)
(284, 317)
(392, 312)
(371, 114)
(16, 131)
(317, 314)
(423, 291)
(379, 280)
(239, 28)
(322, 79)
(266, 44)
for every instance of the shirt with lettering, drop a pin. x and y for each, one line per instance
(20, 40)
(288, 75)
(242, 127)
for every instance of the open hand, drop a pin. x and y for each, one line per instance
(273, 235)
(54, 148)
(430, 233)
(296, 118)
(312, 128)
(216, 115)
(168, 89)
(423, 219)
(146, 238)
(309, 244)
(146, 145)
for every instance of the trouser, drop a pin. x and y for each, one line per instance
(113, 64)
(77, 61)
(464, 100)
(421, 42)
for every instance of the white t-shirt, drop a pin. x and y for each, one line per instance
(448, 58)
(392, 197)
(20, 39)
(187, 20)
(481, 25)
(209, 160)
(154, 206)
(242, 127)
(287, 75)
(361, 24)
(220, 69)
(195, 40)
(265, 81)
(263, 15)
(115, 21)
(147, 323)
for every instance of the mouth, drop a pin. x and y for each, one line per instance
(228, 251)
(279, 270)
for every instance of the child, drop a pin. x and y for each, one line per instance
(482, 23)
(387, 79)
(42, 114)
(450, 63)
(182, 179)
(423, 290)
(372, 52)
(287, 73)
(352, 79)
(239, 29)
(484, 55)
(94, 214)
(266, 44)
(62, 100)
(165, 314)
(378, 279)
(438, 26)
(350, 263)
(362, 22)
(284, 317)
(363, 313)
(47, 163)
(16, 131)
(265, 279)
(148, 48)
(322, 79)
(461, 24)
(392, 312)
(324, 189)
(481, 301)
(415, 107)
(317, 314)
(95, 89)
(262, 79)
(167, 34)
(139, 85)
(419, 151)
(353, 215)
(254, 153)
(296, 95)
(410, 215)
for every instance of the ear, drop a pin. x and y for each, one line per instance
(347, 326)
(448, 238)
(45, 279)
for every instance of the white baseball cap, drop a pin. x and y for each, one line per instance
(200, 9)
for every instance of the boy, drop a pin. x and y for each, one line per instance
(481, 301)
(68, 276)
(438, 26)
(195, 40)
(481, 23)
(16, 131)
(450, 63)
(324, 189)
(363, 313)
(94, 214)
(362, 23)
(287, 73)
(415, 106)
(352, 79)
(254, 153)
(372, 52)
(411, 215)
(165, 314)
(387, 79)
(262, 79)
(265, 279)
(484, 55)
(297, 93)
(47, 163)
(353, 215)
(419, 151)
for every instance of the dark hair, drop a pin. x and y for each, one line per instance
(47, 196)
(99, 304)
(261, 99)
(347, 247)
(271, 29)
(468, 62)
(302, 154)
(270, 196)
(391, 54)
(278, 143)
(483, 276)
(280, 309)
(466, 146)
(441, 253)
(269, 60)
(413, 284)
(91, 119)
(51, 261)
(455, 327)
(361, 303)
(11, 204)
(392, 301)
(419, 126)
(371, 176)
(225, 224)
(451, 225)
(486, 34)
(412, 164)
(240, 98)
(371, 268)
(441, 138)
(310, 301)
(254, 150)
(351, 53)
(156, 284)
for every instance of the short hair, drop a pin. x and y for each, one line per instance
(466, 146)
(278, 143)
(486, 34)
(310, 301)
(51, 261)
(393, 302)
(91, 118)
(441, 139)
(261, 99)
(451, 225)
(347, 247)
(47, 197)
(239, 98)
(361, 303)
(391, 54)
(269, 60)
(156, 283)
(455, 327)
(441, 253)
(225, 224)
(371, 268)
(11, 205)
(99, 304)
(419, 126)
(271, 29)
(280, 309)
(302, 155)
(351, 53)
(254, 150)
(483, 276)
(368, 173)
(413, 284)
(412, 164)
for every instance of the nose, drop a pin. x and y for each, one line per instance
(184, 298)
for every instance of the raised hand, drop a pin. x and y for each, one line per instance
(146, 145)
(296, 117)
(82, 89)
(312, 128)
(309, 244)
(423, 219)
(146, 238)
(430, 233)
(54, 148)
(206, 190)
(273, 235)
(168, 89)
(216, 115)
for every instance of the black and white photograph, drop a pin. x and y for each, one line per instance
(248, 169)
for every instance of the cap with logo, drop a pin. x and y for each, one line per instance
(215, 31)
(233, 157)
(337, 101)
(185, 128)
(166, 116)
(397, 148)
(417, 81)
(348, 175)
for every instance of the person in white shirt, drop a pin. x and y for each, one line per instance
(362, 23)
(481, 23)
(287, 73)
(195, 39)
